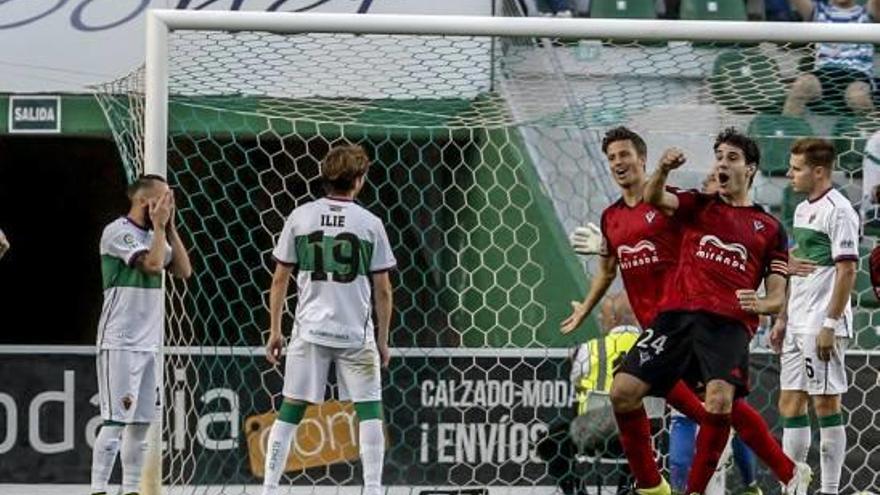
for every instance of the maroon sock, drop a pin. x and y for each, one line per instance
(635, 438)
(753, 430)
(711, 440)
(686, 402)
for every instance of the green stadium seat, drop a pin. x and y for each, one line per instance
(623, 9)
(850, 134)
(747, 81)
(775, 135)
(713, 10)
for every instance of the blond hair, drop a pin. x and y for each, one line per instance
(342, 166)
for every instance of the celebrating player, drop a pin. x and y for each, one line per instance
(644, 243)
(135, 250)
(817, 326)
(336, 248)
(707, 314)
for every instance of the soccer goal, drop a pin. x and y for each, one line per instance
(485, 136)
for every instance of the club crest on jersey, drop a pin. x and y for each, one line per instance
(812, 217)
(759, 225)
(714, 249)
(649, 217)
(643, 253)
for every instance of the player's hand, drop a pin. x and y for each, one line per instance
(586, 240)
(825, 344)
(384, 355)
(777, 335)
(575, 319)
(800, 267)
(749, 301)
(172, 224)
(273, 348)
(4, 244)
(672, 159)
(160, 211)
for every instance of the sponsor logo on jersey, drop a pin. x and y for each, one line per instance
(759, 225)
(812, 217)
(847, 244)
(714, 249)
(643, 253)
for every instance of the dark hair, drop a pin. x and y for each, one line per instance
(622, 133)
(143, 181)
(817, 152)
(747, 145)
(342, 166)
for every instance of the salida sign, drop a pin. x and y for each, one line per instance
(34, 114)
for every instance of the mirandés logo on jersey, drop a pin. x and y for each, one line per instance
(643, 253)
(733, 255)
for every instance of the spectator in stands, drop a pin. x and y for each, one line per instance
(591, 370)
(778, 11)
(843, 72)
(4, 244)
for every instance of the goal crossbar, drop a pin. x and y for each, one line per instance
(161, 21)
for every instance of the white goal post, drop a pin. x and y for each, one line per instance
(161, 21)
(153, 92)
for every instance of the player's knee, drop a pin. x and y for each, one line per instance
(826, 405)
(858, 97)
(792, 403)
(806, 87)
(719, 397)
(624, 395)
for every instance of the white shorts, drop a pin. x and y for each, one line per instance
(802, 370)
(357, 372)
(128, 385)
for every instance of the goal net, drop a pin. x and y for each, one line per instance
(486, 152)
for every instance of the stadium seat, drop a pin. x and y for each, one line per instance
(713, 10)
(775, 135)
(623, 9)
(850, 134)
(747, 81)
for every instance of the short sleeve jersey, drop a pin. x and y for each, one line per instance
(133, 314)
(335, 245)
(826, 230)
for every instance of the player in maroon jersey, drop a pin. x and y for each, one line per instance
(707, 315)
(644, 243)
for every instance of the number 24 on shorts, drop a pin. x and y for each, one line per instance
(658, 343)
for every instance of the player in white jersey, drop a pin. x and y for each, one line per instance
(135, 250)
(336, 248)
(814, 331)
(4, 244)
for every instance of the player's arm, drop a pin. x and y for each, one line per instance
(777, 332)
(655, 191)
(804, 8)
(277, 295)
(602, 279)
(844, 233)
(180, 264)
(383, 298)
(153, 261)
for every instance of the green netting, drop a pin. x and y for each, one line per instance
(486, 152)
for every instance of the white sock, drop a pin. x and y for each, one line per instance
(104, 456)
(276, 454)
(372, 447)
(796, 442)
(832, 452)
(133, 453)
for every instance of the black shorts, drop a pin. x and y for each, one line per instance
(693, 346)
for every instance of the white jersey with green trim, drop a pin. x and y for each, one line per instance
(826, 230)
(335, 245)
(133, 316)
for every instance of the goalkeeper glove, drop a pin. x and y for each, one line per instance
(586, 240)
